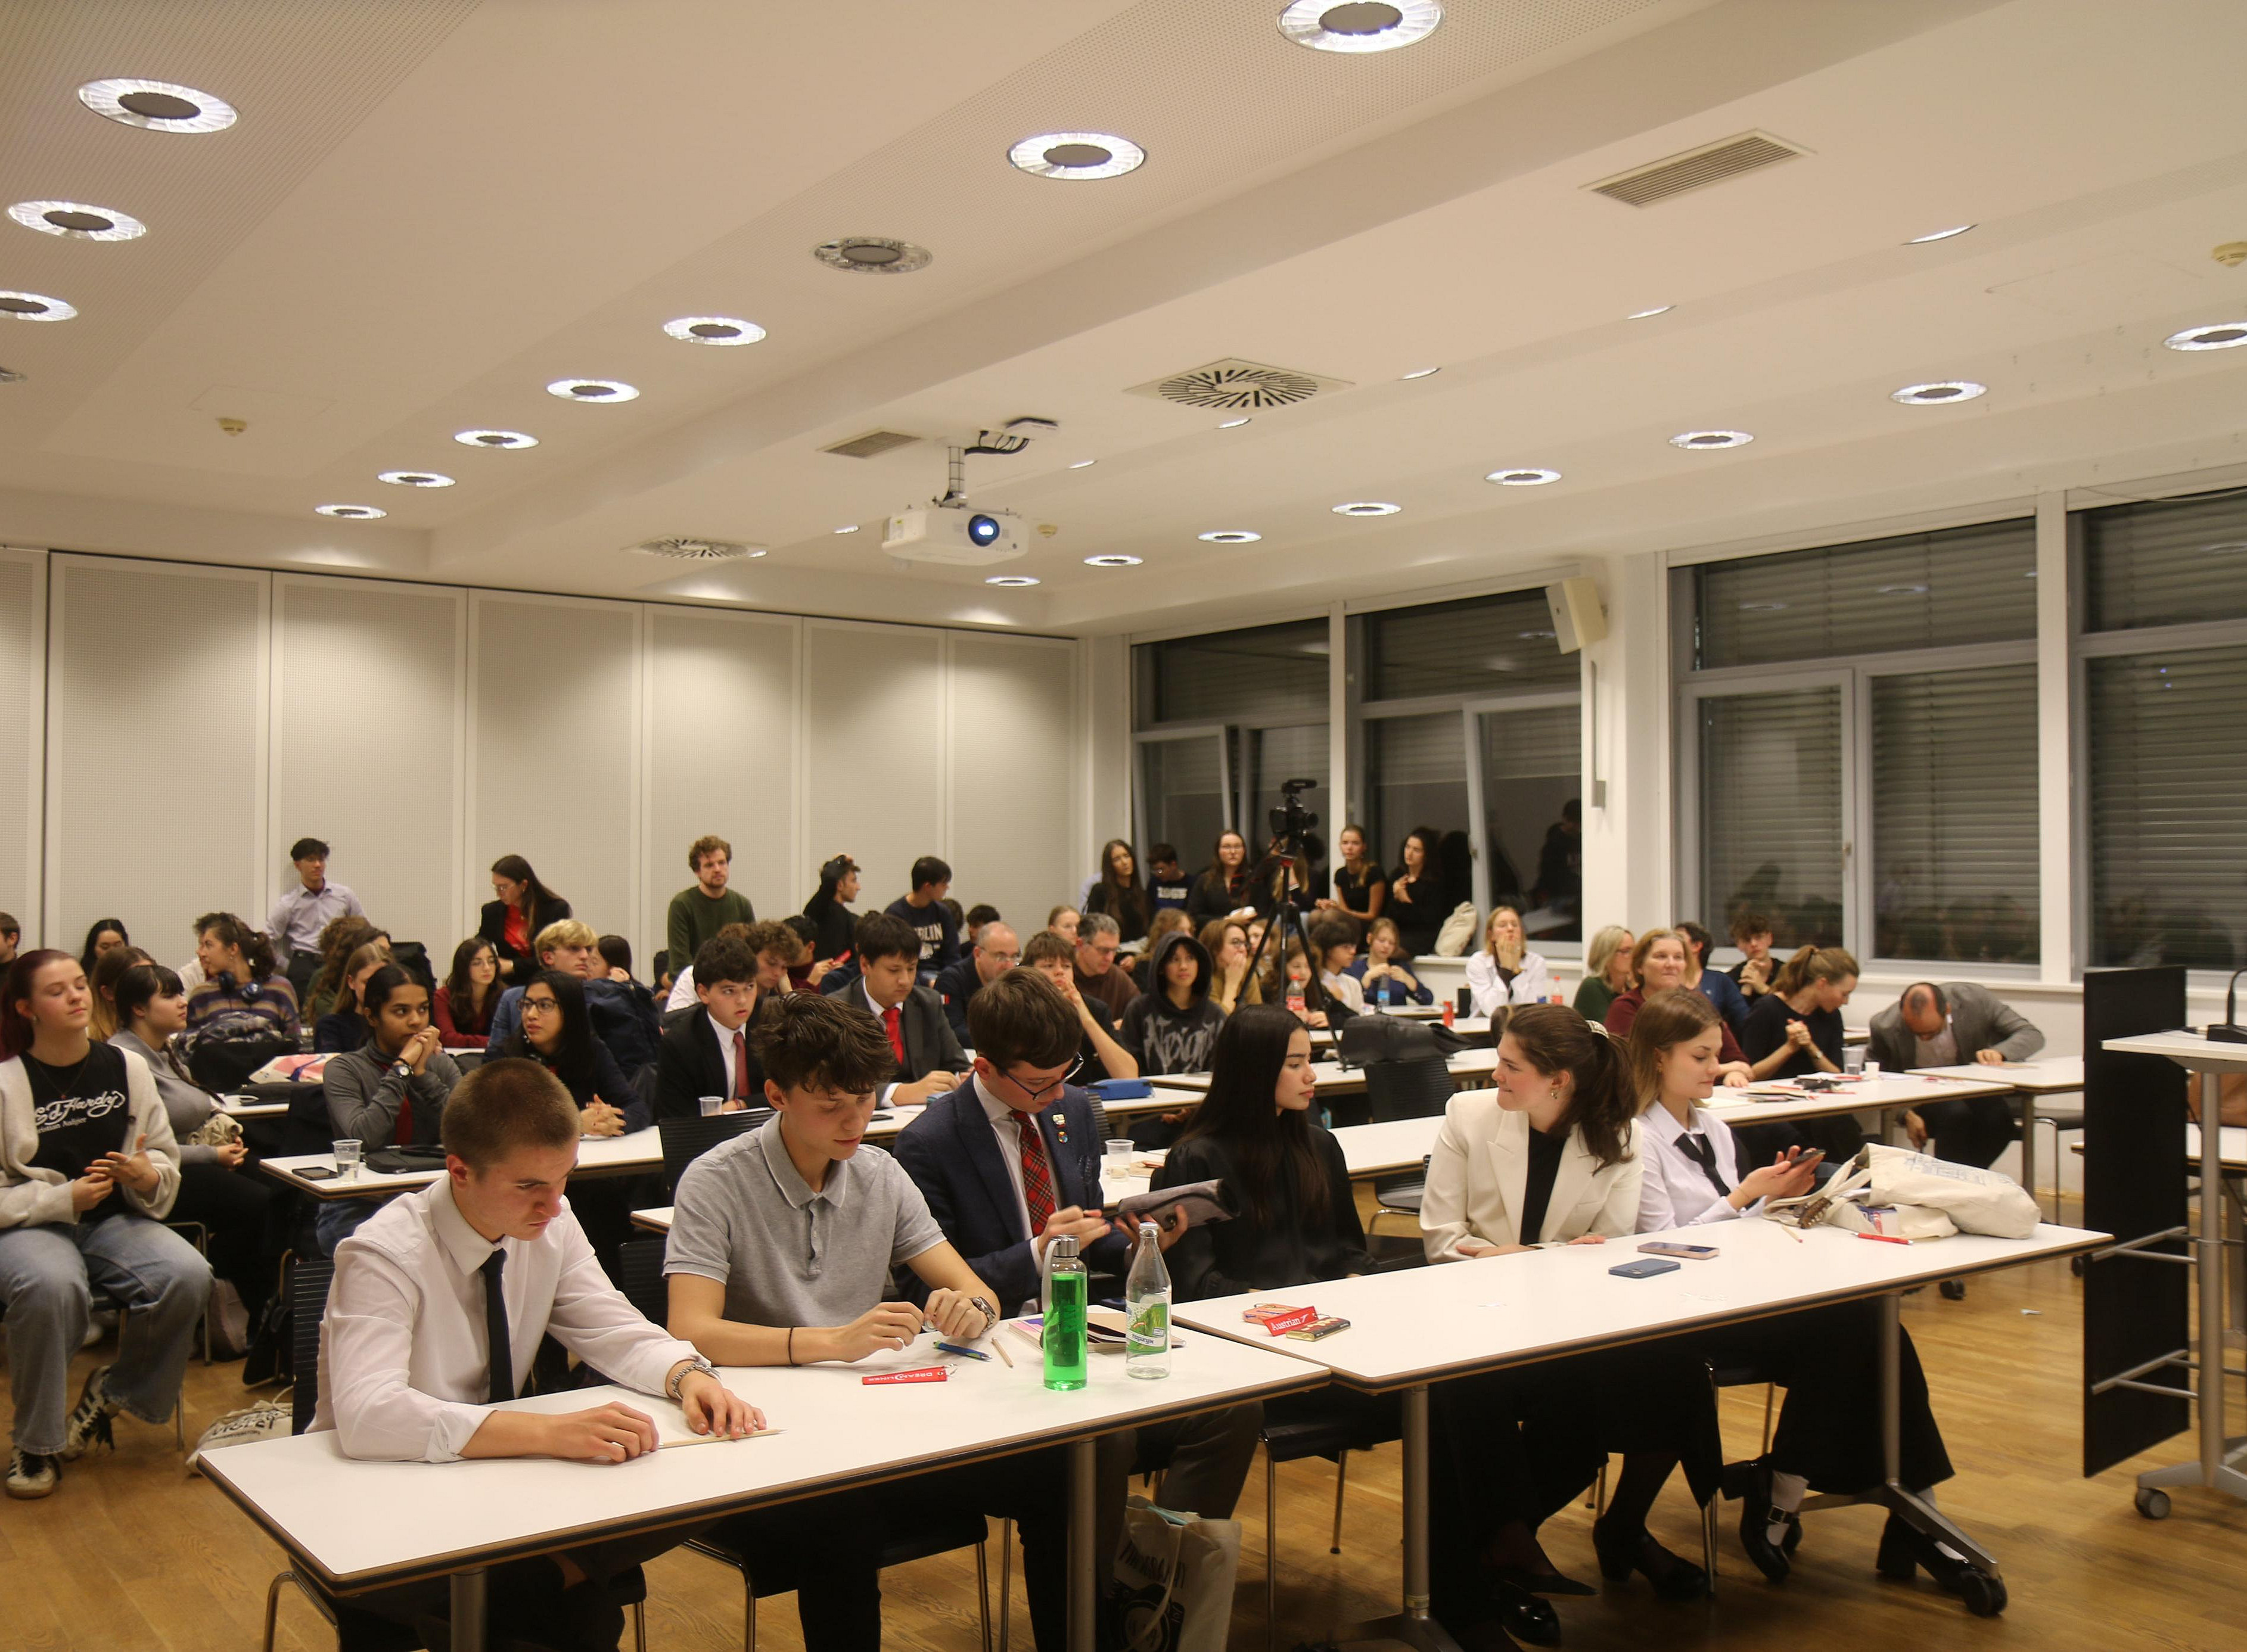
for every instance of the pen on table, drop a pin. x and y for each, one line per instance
(969, 1353)
(1884, 1238)
(1792, 1233)
(1000, 1347)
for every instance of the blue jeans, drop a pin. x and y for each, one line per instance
(48, 1276)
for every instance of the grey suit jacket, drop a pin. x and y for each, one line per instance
(1979, 1021)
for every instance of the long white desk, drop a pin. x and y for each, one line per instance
(634, 1153)
(1411, 1328)
(1335, 1079)
(360, 1525)
(2029, 1079)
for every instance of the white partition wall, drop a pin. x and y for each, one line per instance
(23, 730)
(722, 756)
(1013, 761)
(156, 748)
(874, 732)
(554, 751)
(368, 743)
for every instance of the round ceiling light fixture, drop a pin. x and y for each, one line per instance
(1235, 424)
(592, 390)
(1939, 393)
(1940, 234)
(504, 439)
(1524, 476)
(157, 105)
(1113, 559)
(848, 528)
(713, 330)
(1084, 464)
(353, 513)
(1709, 440)
(1077, 154)
(2221, 335)
(1231, 537)
(872, 255)
(416, 478)
(1325, 26)
(1011, 581)
(1641, 315)
(35, 306)
(77, 221)
(1367, 508)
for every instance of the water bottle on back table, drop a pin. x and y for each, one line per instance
(1147, 1310)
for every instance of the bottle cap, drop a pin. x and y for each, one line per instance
(1061, 1244)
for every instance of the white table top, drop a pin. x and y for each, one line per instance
(361, 1525)
(2054, 1072)
(243, 1106)
(2188, 1050)
(1335, 1079)
(1410, 1327)
(632, 1152)
(2231, 1147)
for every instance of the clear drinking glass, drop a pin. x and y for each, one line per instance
(348, 1155)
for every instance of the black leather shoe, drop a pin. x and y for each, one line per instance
(1622, 1552)
(1527, 1618)
(1756, 1518)
(1953, 1290)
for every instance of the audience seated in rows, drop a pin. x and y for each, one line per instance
(829, 909)
(240, 979)
(708, 1053)
(923, 912)
(1383, 973)
(1100, 1053)
(524, 910)
(466, 1002)
(995, 952)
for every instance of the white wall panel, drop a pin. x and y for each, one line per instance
(720, 758)
(156, 748)
(874, 732)
(367, 746)
(1012, 751)
(554, 759)
(23, 729)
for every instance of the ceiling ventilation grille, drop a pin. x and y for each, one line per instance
(1234, 385)
(1710, 163)
(680, 548)
(870, 445)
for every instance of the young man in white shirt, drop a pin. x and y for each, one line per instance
(708, 1053)
(438, 1305)
(929, 1060)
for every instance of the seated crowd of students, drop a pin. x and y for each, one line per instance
(796, 1242)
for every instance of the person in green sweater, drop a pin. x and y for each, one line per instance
(1607, 972)
(706, 906)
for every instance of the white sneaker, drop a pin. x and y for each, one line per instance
(32, 1475)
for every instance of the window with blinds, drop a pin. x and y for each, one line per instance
(1183, 785)
(1771, 812)
(1533, 837)
(2167, 831)
(1483, 646)
(1274, 672)
(1920, 590)
(1417, 775)
(1300, 753)
(1954, 794)
(2166, 561)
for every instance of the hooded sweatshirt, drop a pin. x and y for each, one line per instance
(1164, 1038)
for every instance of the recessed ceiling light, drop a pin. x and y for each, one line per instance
(494, 439)
(357, 513)
(1325, 26)
(1012, 581)
(416, 478)
(1658, 310)
(1936, 394)
(1703, 440)
(158, 105)
(77, 221)
(1235, 424)
(1421, 373)
(872, 255)
(1232, 537)
(592, 390)
(1113, 559)
(2221, 335)
(1077, 154)
(1940, 234)
(1527, 476)
(714, 330)
(34, 306)
(848, 528)
(1084, 464)
(1367, 508)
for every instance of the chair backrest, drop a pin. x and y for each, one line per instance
(639, 1276)
(685, 1140)
(308, 1302)
(1417, 1088)
(1099, 1115)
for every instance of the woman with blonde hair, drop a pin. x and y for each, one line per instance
(1659, 962)
(104, 1023)
(1381, 971)
(1506, 971)
(1607, 972)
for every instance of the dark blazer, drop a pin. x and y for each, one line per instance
(493, 927)
(953, 1157)
(1979, 1021)
(690, 1065)
(929, 1045)
(955, 985)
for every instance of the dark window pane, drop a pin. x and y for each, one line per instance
(1234, 676)
(2166, 561)
(1771, 812)
(1483, 645)
(1417, 767)
(1530, 774)
(1182, 783)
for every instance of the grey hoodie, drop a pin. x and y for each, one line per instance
(1164, 1038)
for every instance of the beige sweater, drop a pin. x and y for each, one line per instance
(32, 1195)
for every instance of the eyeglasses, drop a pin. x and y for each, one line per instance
(540, 1004)
(1054, 1089)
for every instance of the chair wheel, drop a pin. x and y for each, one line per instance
(2154, 1504)
(1984, 1595)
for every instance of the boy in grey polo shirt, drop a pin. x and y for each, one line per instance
(783, 1244)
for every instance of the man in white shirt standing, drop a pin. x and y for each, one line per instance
(306, 908)
(437, 1309)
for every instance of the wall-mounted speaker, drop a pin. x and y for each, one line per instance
(1578, 615)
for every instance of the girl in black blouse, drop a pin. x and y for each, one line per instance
(557, 1034)
(1416, 893)
(1120, 893)
(1360, 885)
(1795, 1030)
(1226, 888)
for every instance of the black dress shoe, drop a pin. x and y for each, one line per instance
(1756, 1518)
(1953, 1290)
(1622, 1552)
(1527, 1618)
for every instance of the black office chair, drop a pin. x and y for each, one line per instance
(1331, 1424)
(924, 1532)
(685, 1140)
(1420, 1088)
(639, 1276)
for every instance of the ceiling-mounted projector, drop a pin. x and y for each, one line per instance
(954, 534)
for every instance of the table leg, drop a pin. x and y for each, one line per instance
(1417, 1626)
(1894, 1494)
(468, 1611)
(2029, 1150)
(1083, 1572)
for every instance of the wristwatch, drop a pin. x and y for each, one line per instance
(990, 1314)
(685, 1369)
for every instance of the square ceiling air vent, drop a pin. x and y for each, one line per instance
(1696, 168)
(1234, 385)
(872, 444)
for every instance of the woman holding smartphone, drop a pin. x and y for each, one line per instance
(1826, 1358)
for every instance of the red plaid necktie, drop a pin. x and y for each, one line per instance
(892, 1023)
(740, 1066)
(1037, 1175)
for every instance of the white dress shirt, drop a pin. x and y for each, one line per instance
(1532, 983)
(1677, 1191)
(405, 1365)
(1349, 992)
(683, 995)
(1009, 1136)
(726, 1037)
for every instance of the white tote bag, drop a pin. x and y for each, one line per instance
(1915, 1197)
(1175, 1577)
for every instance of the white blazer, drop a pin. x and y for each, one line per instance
(1479, 1177)
(1533, 983)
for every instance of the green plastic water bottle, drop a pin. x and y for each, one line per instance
(1065, 1340)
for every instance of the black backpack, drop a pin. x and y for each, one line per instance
(226, 1050)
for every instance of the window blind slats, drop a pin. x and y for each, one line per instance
(2166, 561)
(1417, 767)
(1273, 671)
(1771, 811)
(1485, 645)
(1531, 772)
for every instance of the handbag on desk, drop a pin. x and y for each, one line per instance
(1918, 1198)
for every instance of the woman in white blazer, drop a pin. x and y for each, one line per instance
(1827, 1359)
(88, 1169)
(1506, 971)
(1548, 1157)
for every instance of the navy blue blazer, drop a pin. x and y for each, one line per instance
(953, 1155)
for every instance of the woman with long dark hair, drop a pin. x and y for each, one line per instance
(105, 935)
(557, 1034)
(241, 977)
(1120, 892)
(512, 922)
(345, 1028)
(1415, 891)
(1225, 888)
(464, 1004)
(343, 937)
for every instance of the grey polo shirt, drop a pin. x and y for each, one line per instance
(785, 1254)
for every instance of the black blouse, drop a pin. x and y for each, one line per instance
(1546, 1151)
(1356, 893)
(1419, 910)
(1224, 1259)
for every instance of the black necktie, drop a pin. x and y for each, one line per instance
(1696, 1147)
(502, 1356)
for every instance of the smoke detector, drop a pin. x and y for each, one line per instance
(680, 548)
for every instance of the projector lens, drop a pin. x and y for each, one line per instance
(984, 530)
